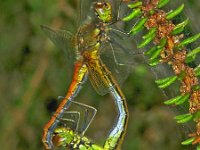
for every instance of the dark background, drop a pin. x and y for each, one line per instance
(34, 73)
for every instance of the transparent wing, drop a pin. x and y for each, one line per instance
(77, 116)
(84, 10)
(62, 39)
(116, 5)
(117, 59)
(119, 56)
(70, 119)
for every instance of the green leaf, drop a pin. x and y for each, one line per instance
(180, 27)
(150, 33)
(162, 3)
(191, 56)
(150, 51)
(162, 43)
(138, 27)
(189, 40)
(163, 83)
(188, 141)
(178, 31)
(173, 100)
(190, 59)
(134, 5)
(182, 99)
(174, 13)
(197, 70)
(156, 53)
(196, 115)
(146, 41)
(194, 52)
(196, 87)
(132, 15)
(183, 118)
(154, 62)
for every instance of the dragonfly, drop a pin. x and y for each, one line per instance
(100, 56)
(71, 127)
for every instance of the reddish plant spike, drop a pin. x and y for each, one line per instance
(198, 127)
(148, 5)
(195, 104)
(174, 56)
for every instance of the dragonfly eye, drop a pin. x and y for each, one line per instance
(62, 136)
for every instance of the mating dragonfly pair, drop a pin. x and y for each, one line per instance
(100, 54)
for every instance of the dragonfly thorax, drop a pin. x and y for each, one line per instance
(90, 35)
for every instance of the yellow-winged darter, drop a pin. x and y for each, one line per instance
(101, 55)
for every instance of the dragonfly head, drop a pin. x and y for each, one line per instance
(62, 136)
(103, 11)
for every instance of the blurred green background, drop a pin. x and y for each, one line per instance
(34, 73)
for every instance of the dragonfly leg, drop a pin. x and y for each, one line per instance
(119, 8)
(116, 61)
(80, 73)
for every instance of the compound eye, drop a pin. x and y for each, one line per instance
(106, 5)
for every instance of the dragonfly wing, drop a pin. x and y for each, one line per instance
(119, 57)
(77, 116)
(61, 38)
(96, 76)
(84, 10)
(70, 119)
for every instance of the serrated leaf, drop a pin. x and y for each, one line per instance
(175, 12)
